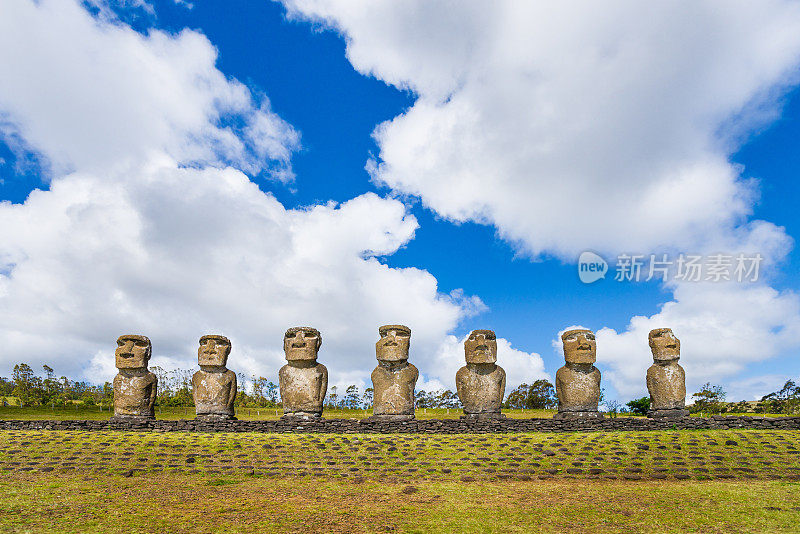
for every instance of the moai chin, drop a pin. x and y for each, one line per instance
(481, 383)
(666, 380)
(214, 385)
(393, 380)
(578, 382)
(135, 387)
(303, 382)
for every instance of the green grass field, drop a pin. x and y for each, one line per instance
(184, 503)
(666, 481)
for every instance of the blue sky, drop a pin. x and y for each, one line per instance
(529, 288)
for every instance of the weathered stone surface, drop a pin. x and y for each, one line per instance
(668, 414)
(666, 379)
(135, 387)
(214, 385)
(434, 426)
(393, 380)
(578, 382)
(481, 383)
(578, 415)
(303, 382)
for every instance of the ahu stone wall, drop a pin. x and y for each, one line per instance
(432, 426)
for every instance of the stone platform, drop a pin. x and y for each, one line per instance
(431, 426)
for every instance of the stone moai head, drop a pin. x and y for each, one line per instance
(481, 347)
(665, 346)
(302, 343)
(393, 344)
(213, 351)
(133, 352)
(579, 346)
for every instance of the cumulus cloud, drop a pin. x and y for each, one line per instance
(572, 126)
(151, 226)
(93, 94)
(608, 127)
(722, 328)
(176, 253)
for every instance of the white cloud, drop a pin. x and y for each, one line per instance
(722, 328)
(755, 387)
(573, 126)
(603, 126)
(133, 96)
(177, 253)
(149, 232)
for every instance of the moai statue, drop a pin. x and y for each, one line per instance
(393, 380)
(578, 382)
(135, 387)
(481, 383)
(666, 380)
(214, 385)
(303, 381)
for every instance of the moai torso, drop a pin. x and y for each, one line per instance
(666, 380)
(481, 387)
(667, 386)
(214, 386)
(303, 387)
(578, 388)
(303, 382)
(135, 394)
(394, 389)
(481, 383)
(135, 387)
(578, 382)
(214, 392)
(394, 379)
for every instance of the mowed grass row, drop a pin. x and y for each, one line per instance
(175, 502)
(662, 455)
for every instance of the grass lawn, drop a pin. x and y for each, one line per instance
(665, 481)
(172, 502)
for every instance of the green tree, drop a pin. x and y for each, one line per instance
(352, 397)
(6, 387)
(786, 400)
(26, 384)
(539, 395)
(51, 387)
(639, 406)
(272, 393)
(446, 399)
(333, 398)
(709, 399)
(367, 397)
(422, 399)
